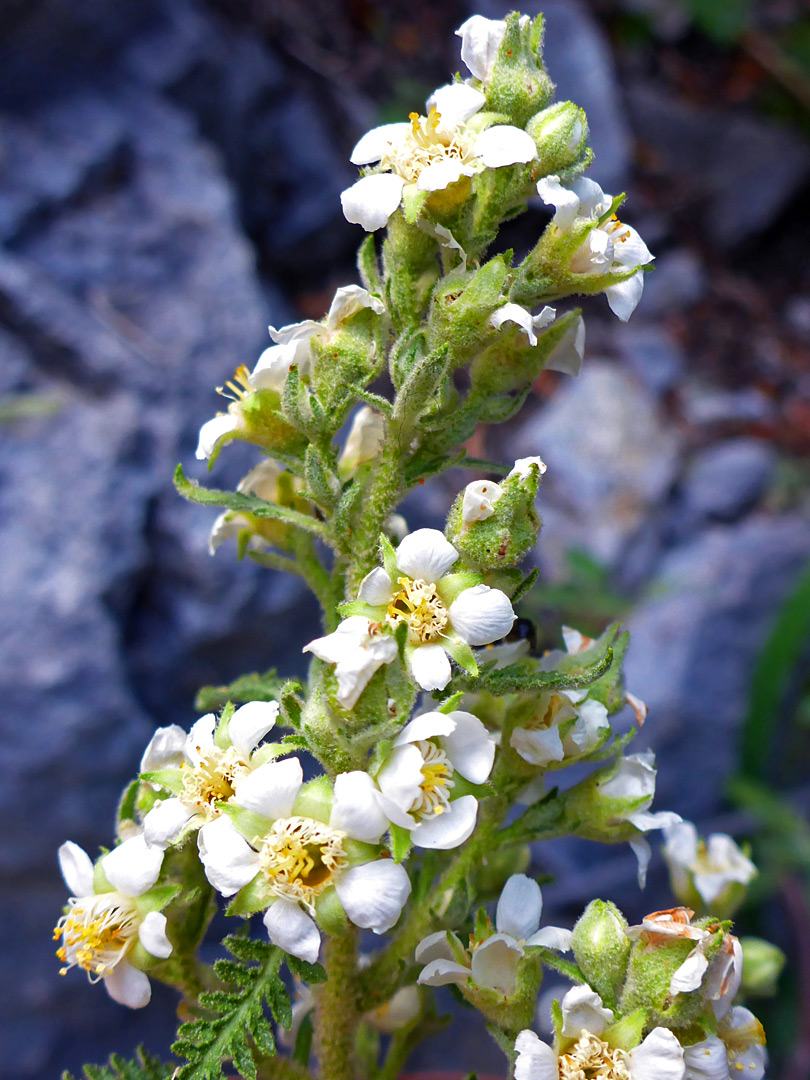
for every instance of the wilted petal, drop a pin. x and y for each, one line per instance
(372, 200)
(292, 930)
(480, 40)
(514, 313)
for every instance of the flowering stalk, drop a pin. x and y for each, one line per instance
(432, 721)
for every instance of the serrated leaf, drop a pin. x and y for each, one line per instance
(142, 1067)
(518, 677)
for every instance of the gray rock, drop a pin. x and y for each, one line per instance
(611, 459)
(580, 63)
(678, 280)
(703, 404)
(652, 354)
(725, 480)
(738, 170)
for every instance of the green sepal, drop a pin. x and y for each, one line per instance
(100, 882)
(557, 1020)
(247, 822)
(413, 202)
(272, 751)
(451, 586)
(389, 558)
(360, 851)
(169, 779)
(627, 1032)
(323, 486)
(314, 800)
(128, 804)
(156, 898)
(540, 821)
(359, 607)
(253, 897)
(401, 638)
(401, 843)
(140, 957)
(462, 654)
(329, 913)
(462, 786)
(452, 703)
(525, 585)
(369, 267)
(221, 737)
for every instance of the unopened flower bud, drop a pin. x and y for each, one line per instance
(762, 966)
(602, 948)
(516, 82)
(561, 134)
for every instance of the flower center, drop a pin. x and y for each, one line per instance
(95, 934)
(547, 713)
(417, 603)
(437, 782)
(237, 388)
(300, 857)
(426, 144)
(592, 1059)
(213, 780)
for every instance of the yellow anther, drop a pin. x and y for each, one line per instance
(418, 604)
(299, 858)
(239, 386)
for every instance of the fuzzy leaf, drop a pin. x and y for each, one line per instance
(520, 676)
(265, 686)
(142, 1067)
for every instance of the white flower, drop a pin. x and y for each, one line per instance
(585, 1047)
(609, 247)
(364, 441)
(208, 767)
(715, 868)
(304, 852)
(225, 426)
(293, 343)
(564, 725)
(428, 154)
(101, 928)
(493, 962)
(634, 782)
(738, 1049)
(479, 500)
(445, 613)
(480, 40)
(262, 481)
(357, 649)
(416, 782)
(527, 322)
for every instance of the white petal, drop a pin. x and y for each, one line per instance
(535, 1059)
(273, 367)
(582, 1010)
(495, 962)
(349, 300)
(569, 351)
(745, 1043)
(643, 853)
(481, 615)
(519, 907)
(563, 199)
(350, 635)
(553, 937)
(455, 103)
(434, 947)
(538, 747)
(262, 480)
(77, 869)
(479, 500)
(296, 333)
(374, 894)
(133, 867)
(690, 974)
(442, 972)
(152, 935)
(623, 298)
(400, 781)
(629, 249)
(376, 588)
(229, 861)
(165, 821)
(442, 174)
(514, 313)
(523, 466)
(226, 527)
(250, 723)
(430, 667)
(445, 831)
(660, 1057)
(271, 789)
(165, 749)
(634, 778)
(429, 725)
(292, 930)
(706, 1060)
(470, 747)
(504, 144)
(128, 986)
(356, 807)
(212, 431)
(724, 976)
(658, 819)
(355, 670)
(372, 200)
(480, 40)
(426, 554)
(377, 142)
(200, 738)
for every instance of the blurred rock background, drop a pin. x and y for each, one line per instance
(169, 180)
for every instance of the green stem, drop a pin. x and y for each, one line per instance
(335, 1018)
(383, 978)
(278, 1068)
(384, 492)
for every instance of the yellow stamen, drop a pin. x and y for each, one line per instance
(418, 604)
(593, 1059)
(237, 388)
(300, 858)
(437, 782)
(96, 933)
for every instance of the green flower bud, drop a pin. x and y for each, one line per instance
(561, 134)
(518, 85)
(762, 966)
(495, 525)
(463, 306)
(602, 948)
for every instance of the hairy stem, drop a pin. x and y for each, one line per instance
(335, 1018)
(384, 492)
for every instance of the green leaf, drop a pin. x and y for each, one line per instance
(265, 686)
(539, 821)
(142, 1067)
(381, 404)
(400, 843)
(525, 585)
(520, 676)
(368, 265)
(419, 389)
(239, 1030)
(246, 504)
(303, 1040)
